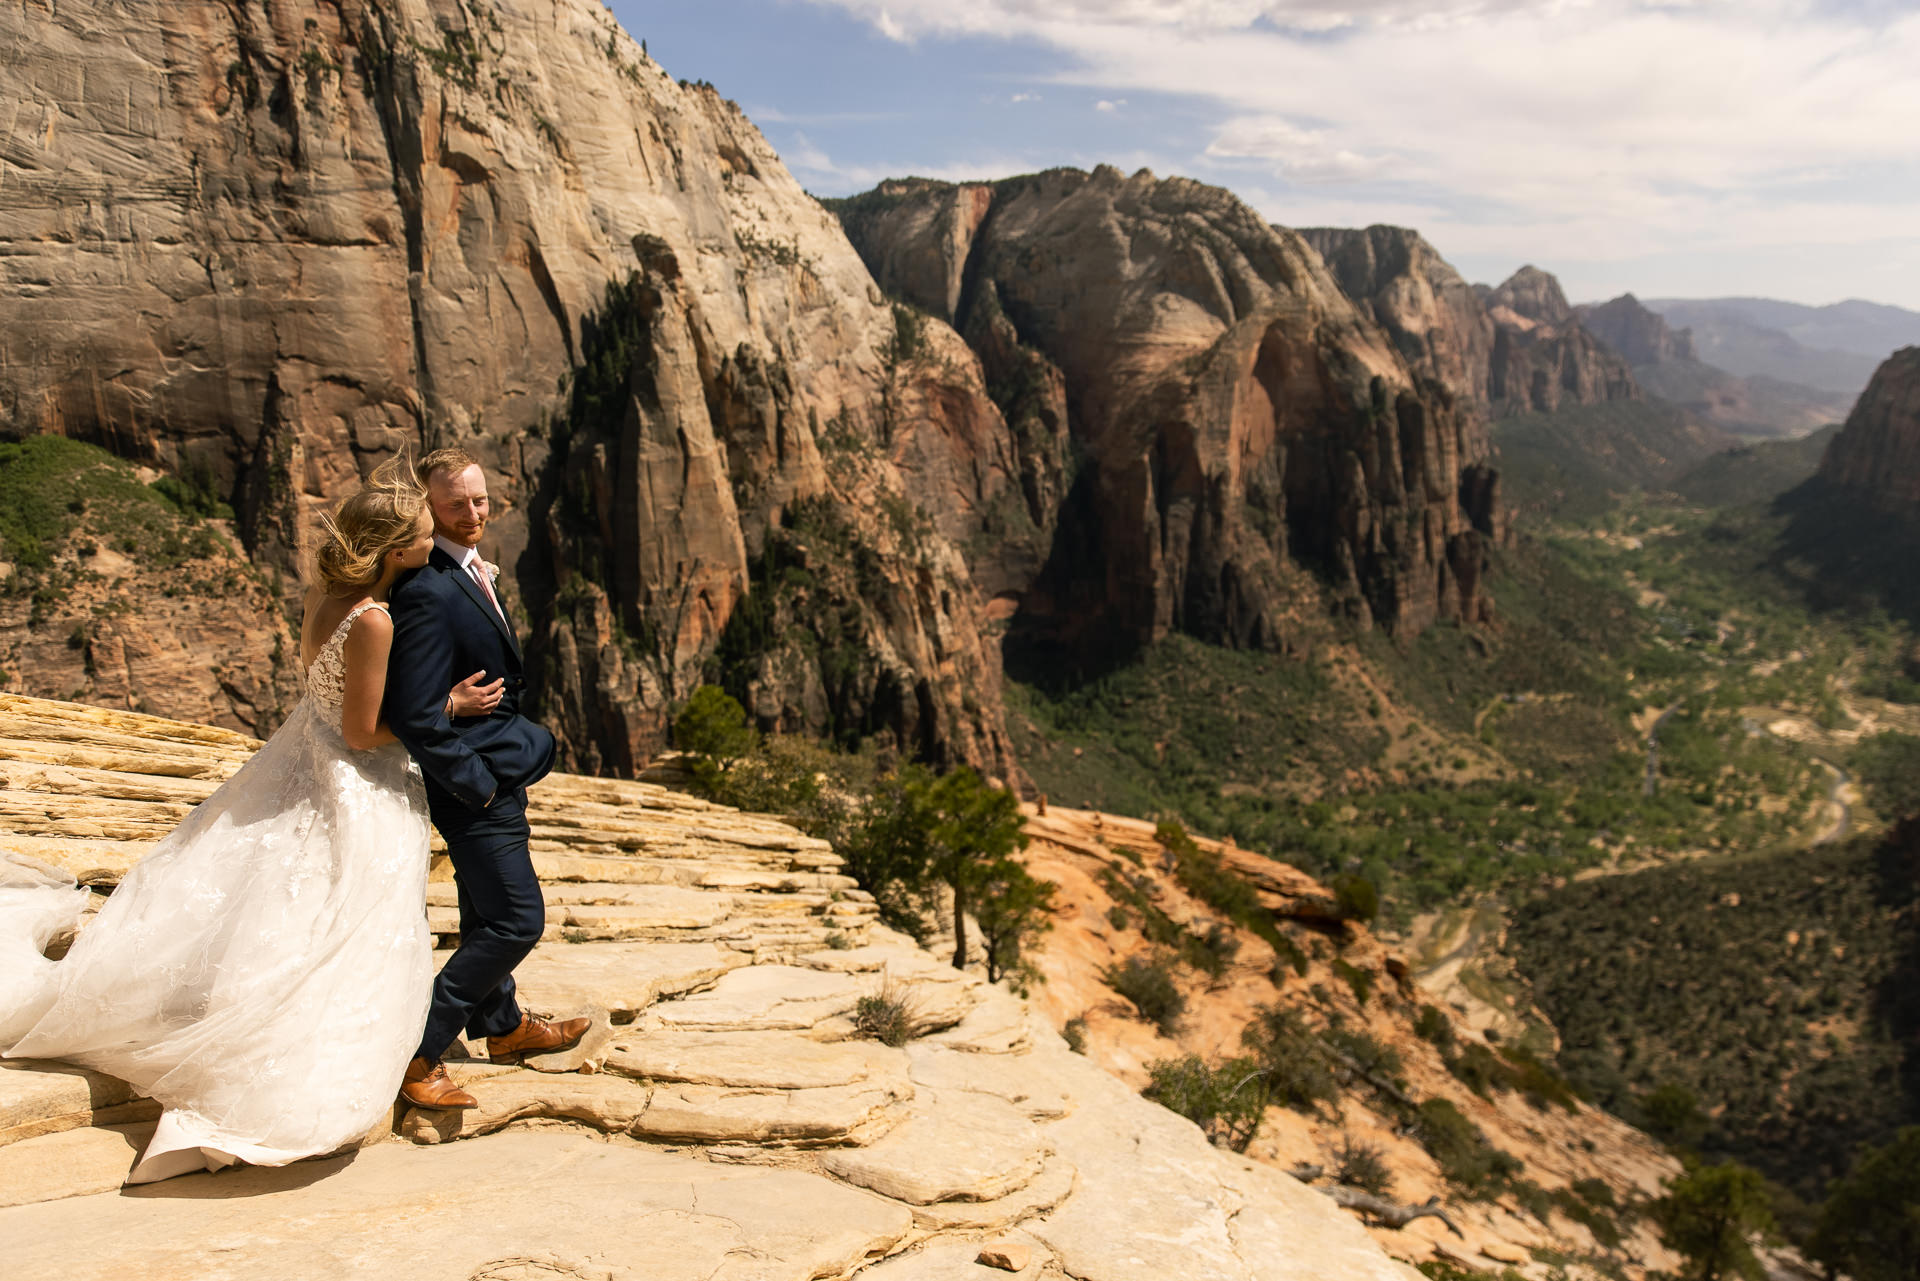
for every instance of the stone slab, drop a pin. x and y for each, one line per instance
(607, 1103)
(1015, 1078)
(38, 1097)
(966, 1147)
(70, 1163)
(746, 1060)
(1053, 1185)
(623, 978)
(520, 1205)
(762, 998)
(714, 1114)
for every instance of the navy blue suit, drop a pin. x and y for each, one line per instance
(477, 772)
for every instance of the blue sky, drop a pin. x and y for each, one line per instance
(1679, 148)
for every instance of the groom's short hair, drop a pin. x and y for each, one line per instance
(453, 461)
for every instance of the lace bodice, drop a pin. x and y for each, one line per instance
(327, 676)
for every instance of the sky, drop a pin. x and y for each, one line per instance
(1668, 148)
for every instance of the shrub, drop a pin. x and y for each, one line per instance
(1359, 980)
(1226, 1101)
(713, 729)
(887, 1015)
(1368, 1055)
(1673, 1113)
(1709, 1215)
(1462, 1152)
(1148, 984)
(1434, 1027)
(1290, 1055)
(1074, 1032)
(1361, 1165)
(1356, 898)
(1212, 952)
(1870, 1226)
(1118, 917)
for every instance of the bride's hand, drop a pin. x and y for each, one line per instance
(471, 698)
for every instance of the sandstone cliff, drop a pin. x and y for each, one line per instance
(723, 1119)
(1516, 349)
(269, 244)
(1238, 419)
(1876, 456)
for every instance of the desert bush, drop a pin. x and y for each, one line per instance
(1434, 1027)
(1462, 1152)
(1226, 1100)
(888, 1015)
(1869, 1227)
(1357, 979)
(1149, 985)
(1710, 1215)
(1297, 1074)
(1363, 1166)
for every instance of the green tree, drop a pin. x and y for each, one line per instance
(1869, 1227)
(713, 729)
(970, 828)
(1709, 1215)
(1012, 908)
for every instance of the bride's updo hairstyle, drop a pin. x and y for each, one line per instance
(383, 517)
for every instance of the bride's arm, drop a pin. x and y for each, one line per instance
(368, 645)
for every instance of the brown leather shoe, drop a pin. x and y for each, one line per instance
(535, 1036)
(427, 1085)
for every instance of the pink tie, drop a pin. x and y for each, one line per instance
(474, 567)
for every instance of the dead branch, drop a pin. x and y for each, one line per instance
(1385, 1212)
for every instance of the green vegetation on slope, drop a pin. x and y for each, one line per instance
(1772, 989)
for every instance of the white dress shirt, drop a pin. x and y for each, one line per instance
(474, 566)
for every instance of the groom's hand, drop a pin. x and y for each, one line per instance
(471, 698)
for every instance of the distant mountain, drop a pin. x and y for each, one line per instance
(1834, 348)
(1666, 365)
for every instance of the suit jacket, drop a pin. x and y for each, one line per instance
(444, 630)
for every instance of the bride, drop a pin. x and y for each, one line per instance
(264, 973)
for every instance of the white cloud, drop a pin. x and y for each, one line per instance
(1109, 104)
(1026, 97)
(1610, 127)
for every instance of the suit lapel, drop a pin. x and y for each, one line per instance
(479, 598)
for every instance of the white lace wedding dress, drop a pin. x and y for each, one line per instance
(264, 973)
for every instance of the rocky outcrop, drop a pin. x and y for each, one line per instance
(1642, 336)
(267, 246)
(1238, 420)
(722, 1119)
(1876, 456)
(1131, 903)
(1516, 349)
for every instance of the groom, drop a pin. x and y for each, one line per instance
(447, 624)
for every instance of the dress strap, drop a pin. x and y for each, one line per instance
(362, 608)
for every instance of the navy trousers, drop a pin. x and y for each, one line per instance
(502, 914)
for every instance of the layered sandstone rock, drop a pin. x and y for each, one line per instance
(722, 1121)
(1238, 418)
(1876, 456)
(1516, 349)
(270, 245)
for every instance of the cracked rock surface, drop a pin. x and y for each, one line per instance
(726, 1125)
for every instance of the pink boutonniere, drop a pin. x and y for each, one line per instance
(493, 571)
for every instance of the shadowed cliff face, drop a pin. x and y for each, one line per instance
(1517, 349)
(1876, 456)
(272, 245)
(1233, 418)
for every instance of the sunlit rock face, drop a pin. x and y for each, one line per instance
(1876, 456)
(1239, 436)
(272, 245)
(1516, 349)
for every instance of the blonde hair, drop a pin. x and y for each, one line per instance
(383, 517)
(452, 459)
